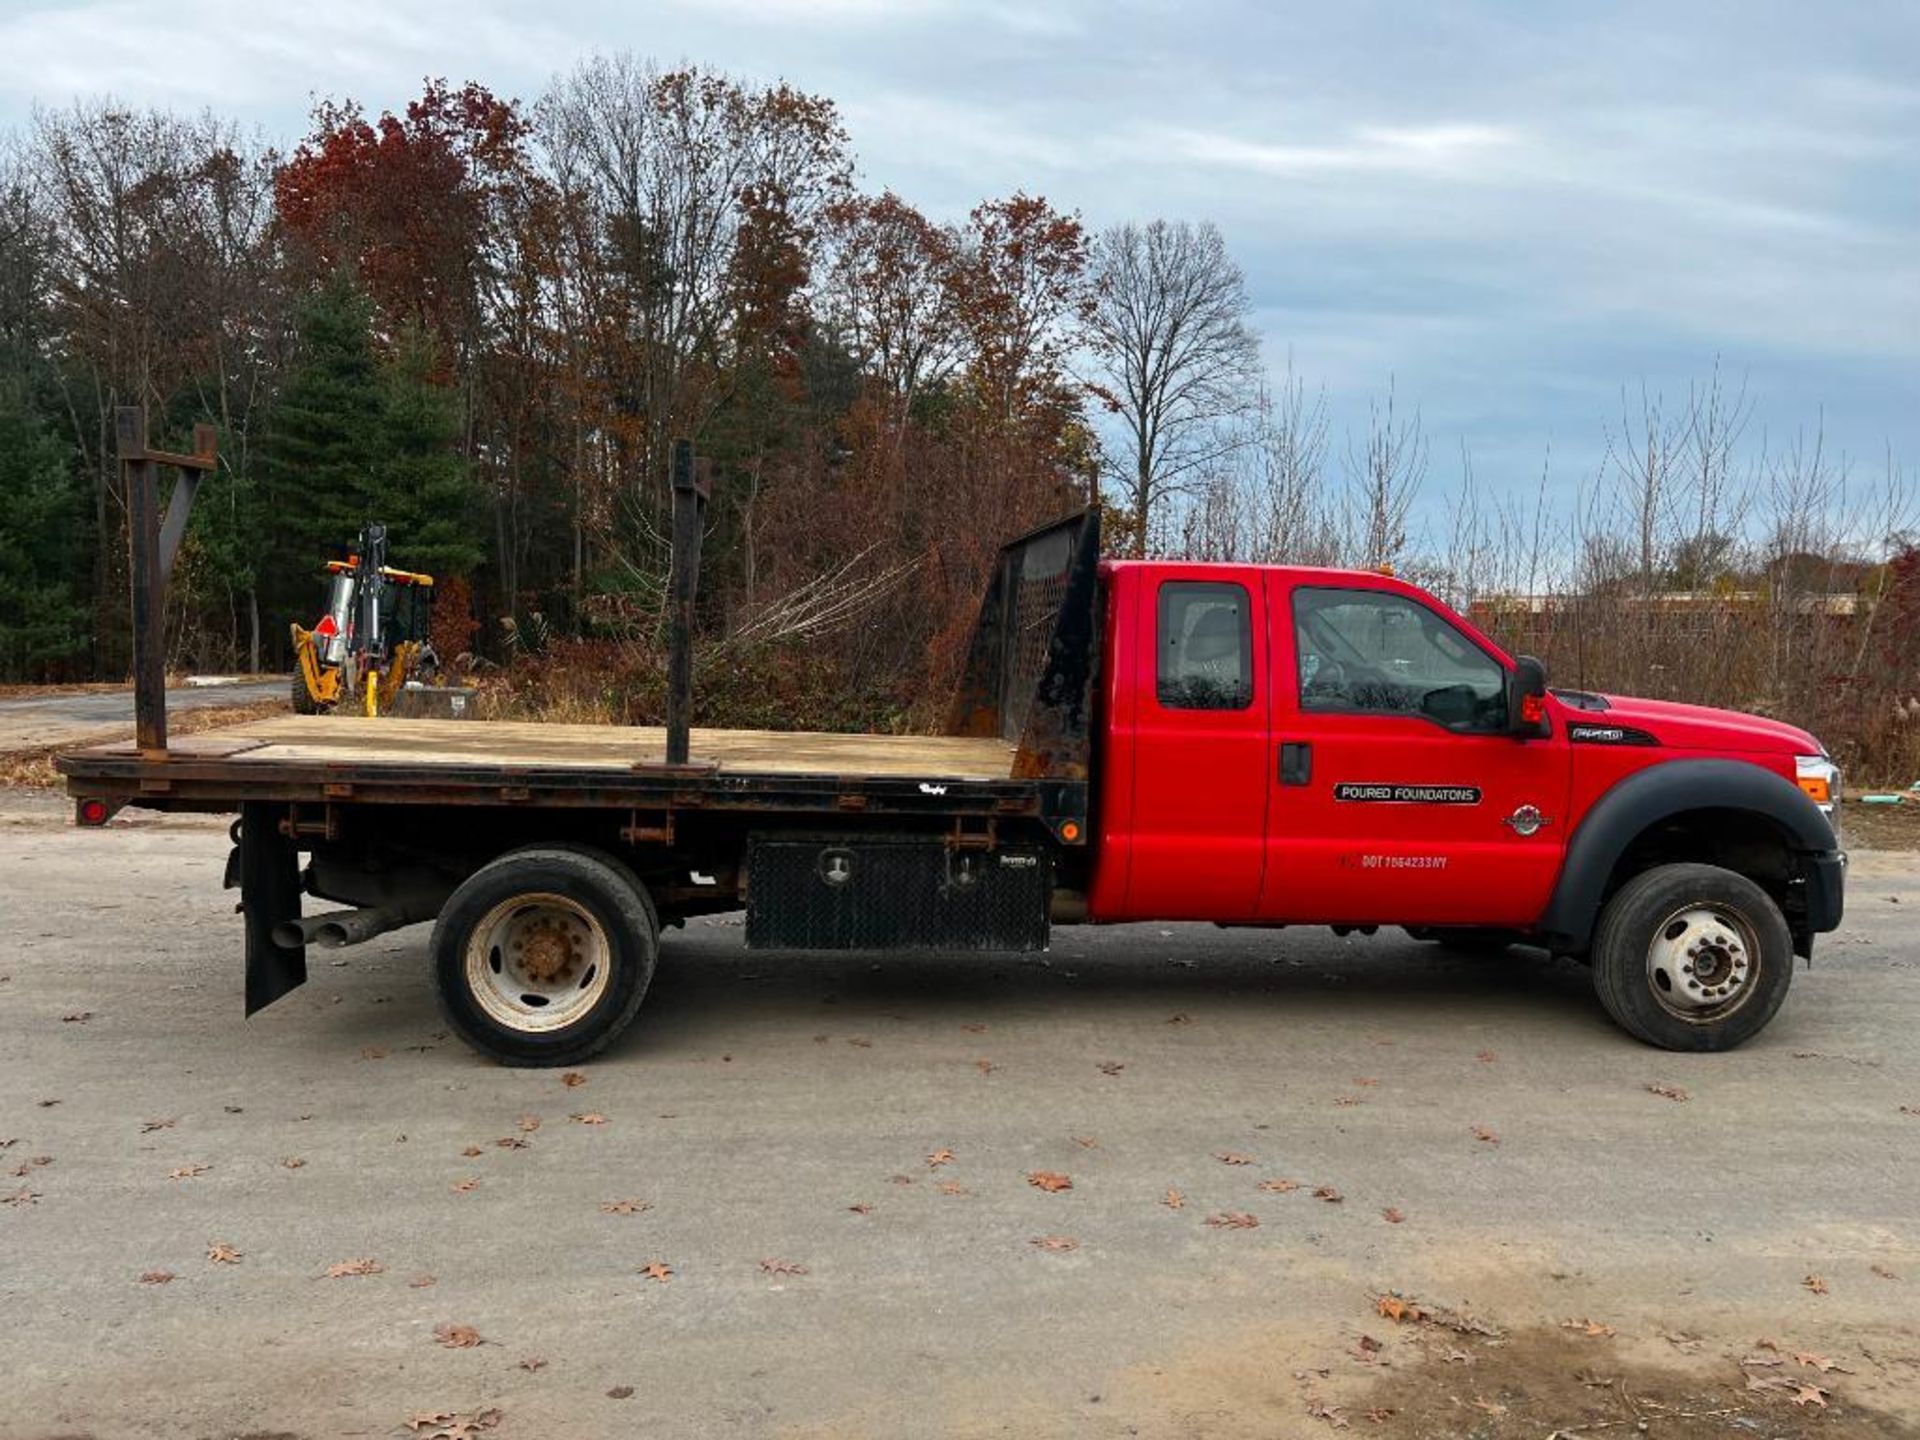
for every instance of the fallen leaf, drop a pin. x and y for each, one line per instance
(620, 1392)
(1328, 1194)
(782, 1267)
(1086, 1142)
(1232, 1157)
(456, 1337)
(860, 1042)
(938, 1158)
(1668, 1092)
(1233, 1220)
(421, 1282)
(147, 1127)
(221, 1253)
(1810, 1394)
(156, 1277)
(341, 1269)
(1820, 1363)
(657, 1270)
(985, 1067)
(1492, 1407)
(1682, 1341)
(531, 1363)
(1179, 1020)
(1049, 1180)
(1054, 1242)
(1762, 1360)
(573, 1079)
(589, 1118)
(1485, 1136)
(22, 1196)
(1814, 1283)
(1347, 1101)
(510, 1142)
(528, 1124)
(187, 1172)
(951, 1187)
(1380, 1414)
(1486, 1057)
(861, 1209)
(1366, 1080)
(420, 1419)
(1365, 1349)
(1883, 1272)
(974, 1029)
(78, 1017)
(1588, 1327)
(291, 1162)
(1392, 1215)
(1112, 1067)
(1173, 1199)
(1332, 1414)
(373, 1052)
(624, 1207)
(466, 1186)
(900, 1179)
(1278, 1187)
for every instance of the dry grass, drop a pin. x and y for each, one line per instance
(33, 769)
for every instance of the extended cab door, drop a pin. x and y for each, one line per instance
(1194, 661)
(1398, 795)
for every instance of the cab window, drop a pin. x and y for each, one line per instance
(1205, 647)
(1376, 652)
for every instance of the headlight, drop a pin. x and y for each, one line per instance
(1820, 778)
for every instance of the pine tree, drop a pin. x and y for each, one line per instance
(42, 616)
(424, 489)
(321, 460)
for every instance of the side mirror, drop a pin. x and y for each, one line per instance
(1527, 699)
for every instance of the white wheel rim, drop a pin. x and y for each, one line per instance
(538, 962)
(1703, 962)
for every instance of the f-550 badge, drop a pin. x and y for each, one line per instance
(1355, 792)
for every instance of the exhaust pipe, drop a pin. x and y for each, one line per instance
(344, 927)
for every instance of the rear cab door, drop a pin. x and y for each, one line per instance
(1398, 794)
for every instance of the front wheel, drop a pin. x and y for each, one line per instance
(1692, 957)
(543, 956)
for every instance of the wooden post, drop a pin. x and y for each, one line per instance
(148, 582)
(689, 502)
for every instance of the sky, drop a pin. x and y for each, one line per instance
(1515, 215)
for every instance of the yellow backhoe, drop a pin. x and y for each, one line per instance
(373, 637)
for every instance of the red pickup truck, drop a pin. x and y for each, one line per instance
(1246, 745)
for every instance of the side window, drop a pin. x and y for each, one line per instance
(1377, 652)
(1206, 647)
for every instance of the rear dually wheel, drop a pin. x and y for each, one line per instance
(543, 956)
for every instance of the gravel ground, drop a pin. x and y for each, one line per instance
(832, 1159)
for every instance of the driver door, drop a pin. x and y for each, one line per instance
(1397, 795)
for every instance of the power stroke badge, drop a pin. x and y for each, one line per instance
(1354, 792)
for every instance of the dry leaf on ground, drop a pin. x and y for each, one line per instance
(1820, 1363)
(472, 1152)
(528, 1124)
(156, 1277)
(1332, 1414)
(1883, 1272)
(782, 1267)
(1668, 1092)
(221, 1253)
(861, 1209)
(985, 1067)
(1112, 1067)
(1485, 1136)
(1392, 1215)
(1232, 1157)
(572, 1079)
(1054, 1242)
(1049, 1180)
(1173, 1199)
(456, 1337)
(187, 1172)
(1486, 1057)
(421, 1282)
(589, 1118)
(1278, 1187)
(291, 1162)
(510, 1142)
(624, 1207)
(657, 1270)
(1233, 1220)
(340, 1270)
(1588, 1327)
(530, 1363)
(937, 1158)
(1328, 1194)
(952, 1187)
(1816, 1284)
(466, 1186)
(147, 1127)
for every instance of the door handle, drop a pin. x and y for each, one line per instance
(1296, 762)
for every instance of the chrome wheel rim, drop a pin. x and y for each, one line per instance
(1703, 963)
(538, 962)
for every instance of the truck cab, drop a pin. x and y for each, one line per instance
(1291, 745)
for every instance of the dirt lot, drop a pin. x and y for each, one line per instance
(827, 1164)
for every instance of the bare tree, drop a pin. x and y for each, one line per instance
(1169, 323)
(1384, 474)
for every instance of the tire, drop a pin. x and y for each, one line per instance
(1467, 939)
(1665, 922)
(303, 703)
(543, 956)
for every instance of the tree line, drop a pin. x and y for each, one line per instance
(483, 322)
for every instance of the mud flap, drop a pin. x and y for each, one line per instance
(267, 867)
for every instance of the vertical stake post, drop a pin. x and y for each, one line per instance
(690, 491)
(148, 581)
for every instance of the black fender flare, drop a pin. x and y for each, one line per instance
(1649, 796)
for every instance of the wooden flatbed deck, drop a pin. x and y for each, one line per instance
(334, 759)
(355, 741)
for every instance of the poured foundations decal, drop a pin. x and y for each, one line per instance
(1356, 792)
